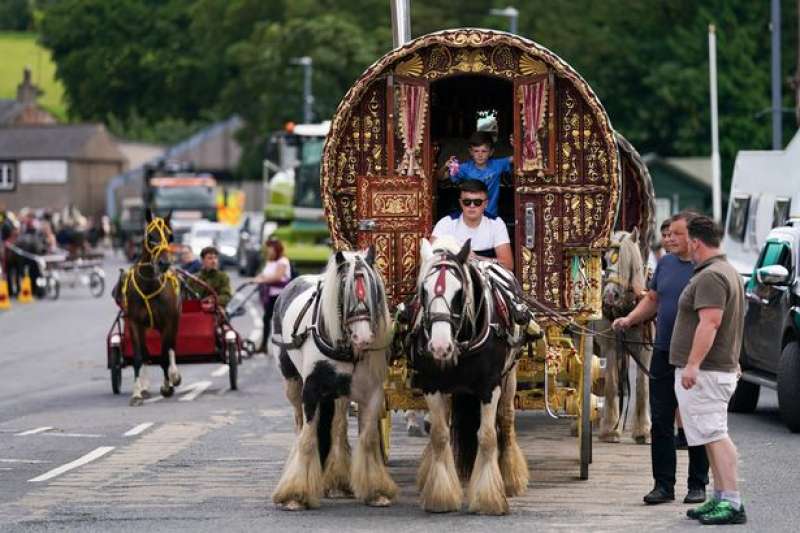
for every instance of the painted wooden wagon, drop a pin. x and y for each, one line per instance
(415, 107)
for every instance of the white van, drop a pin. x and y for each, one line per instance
(765, 193)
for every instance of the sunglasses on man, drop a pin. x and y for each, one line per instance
(466, 202)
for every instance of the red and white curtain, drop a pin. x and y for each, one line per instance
(413, 103)
(534, 102)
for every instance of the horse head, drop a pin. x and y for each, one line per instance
(354, 300)
(444, 294)
(157, 238)
(623, 276)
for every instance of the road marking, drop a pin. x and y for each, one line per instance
(137, 429)
(35, 431)
(197, 389)
(79, 435)
(88, 458)
(26, 461)
(154, 399)
(221, 371)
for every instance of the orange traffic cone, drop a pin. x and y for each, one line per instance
(5, 301)
(25, 294)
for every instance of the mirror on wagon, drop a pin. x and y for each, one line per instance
(773, 275)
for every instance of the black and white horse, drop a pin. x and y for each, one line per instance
(331, 334)
(466, 329)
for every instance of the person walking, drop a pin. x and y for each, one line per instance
(276, 275)
(706, 357)
(672, 274)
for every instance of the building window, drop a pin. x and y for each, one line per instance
(737, 218)
(8, 176)
(780, 212)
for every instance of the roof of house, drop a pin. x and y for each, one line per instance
(58, 141)
(9, 110)
(697, 169)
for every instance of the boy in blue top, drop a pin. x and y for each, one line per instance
(482, 167)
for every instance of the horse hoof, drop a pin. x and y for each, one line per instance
(136, 402)
(380, 501)
(335, 494)
(293, 505)
(175, 380)
(609, 438)
(145, 394)
(168, 391)
(640, 439)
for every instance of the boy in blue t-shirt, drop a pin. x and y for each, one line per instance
(482, 167)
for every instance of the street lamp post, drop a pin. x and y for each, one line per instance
(308, 98)
(512, 13)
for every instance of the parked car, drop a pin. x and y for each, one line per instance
(771, 342)
(225, 238)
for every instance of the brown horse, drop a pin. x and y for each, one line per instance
(150, 298)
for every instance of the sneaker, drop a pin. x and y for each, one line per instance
(706, 508)
(724, 513)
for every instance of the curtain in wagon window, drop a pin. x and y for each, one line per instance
(413, 103)
(534, 99)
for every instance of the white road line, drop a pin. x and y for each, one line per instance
(221, 371)
(78, 435)
(26, 461)
(88, 458)
(136, 430)
(154, 399)
(197, 389)
(34, 431)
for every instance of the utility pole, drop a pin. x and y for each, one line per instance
(308, 98)
(512, 13)
(716, 181)
(777, 111)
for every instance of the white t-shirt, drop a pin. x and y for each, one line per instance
(271, 268)
(489, 234)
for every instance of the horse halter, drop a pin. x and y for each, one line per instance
(158, 226)
(445, 263)
(360, 311)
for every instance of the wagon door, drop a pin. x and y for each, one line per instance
(394, 207)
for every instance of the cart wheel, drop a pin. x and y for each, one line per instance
(116, 369)
(53, 288)
(385, 433)
(233, 364)
(96, 284)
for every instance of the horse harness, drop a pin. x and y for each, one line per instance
(469, 340)
(342, 351)
(160, 226)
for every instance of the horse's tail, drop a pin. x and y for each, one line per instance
(327, 407)
(465, 423)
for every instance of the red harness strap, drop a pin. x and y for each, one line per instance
(439, 288)
(361, 291)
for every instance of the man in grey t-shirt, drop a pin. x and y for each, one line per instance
(705, 351)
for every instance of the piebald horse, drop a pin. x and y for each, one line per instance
(330, 335)
(623, 282)
(466, 329)
(149, 295)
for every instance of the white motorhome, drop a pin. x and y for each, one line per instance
(765, 193)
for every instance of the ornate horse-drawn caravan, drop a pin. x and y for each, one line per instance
(417, 105)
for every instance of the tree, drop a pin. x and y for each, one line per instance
(15, 15)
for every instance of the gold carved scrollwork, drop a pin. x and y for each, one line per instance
(394, 203)
(470, 60)
(529, 272)
(569, 143)
(503, 59)
(411, 68)
(529, 66)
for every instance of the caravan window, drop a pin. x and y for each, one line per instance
(737, 220)
(780, 212)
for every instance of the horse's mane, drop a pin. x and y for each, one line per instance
(332, 308)
(631, 265)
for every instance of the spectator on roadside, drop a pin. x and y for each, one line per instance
(706, 356)
(213, 277)
(189, 262)
(276, 275)
(671, 276)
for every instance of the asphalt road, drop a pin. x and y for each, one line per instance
(75, 457)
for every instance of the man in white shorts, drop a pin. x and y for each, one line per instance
(489, 235)
(705, 350)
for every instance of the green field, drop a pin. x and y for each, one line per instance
(18, 50)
